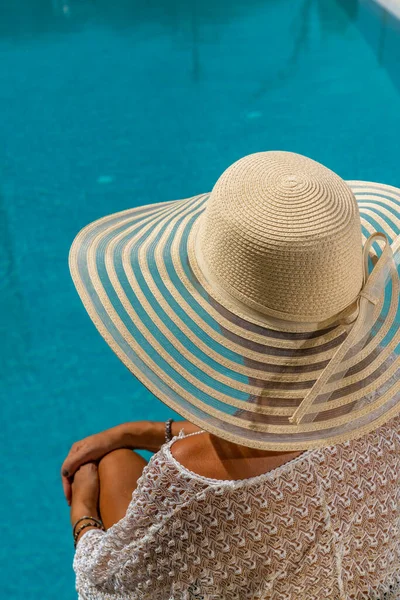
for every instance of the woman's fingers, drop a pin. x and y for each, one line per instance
(89, 449)
(80, 453)
(67, 488)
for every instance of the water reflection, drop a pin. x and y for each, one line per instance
(350, 7)
(382, 30)
(25, 17)
(329, 19)
(19, 16)
(61, 7)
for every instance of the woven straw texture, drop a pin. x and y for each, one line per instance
(241, 371)
(282, 233)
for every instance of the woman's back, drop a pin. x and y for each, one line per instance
(214, 457)
(322, 526)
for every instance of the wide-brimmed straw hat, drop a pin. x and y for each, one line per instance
(266, 312)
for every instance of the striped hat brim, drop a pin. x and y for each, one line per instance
(233, 377)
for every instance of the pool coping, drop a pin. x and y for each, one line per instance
(392, 6)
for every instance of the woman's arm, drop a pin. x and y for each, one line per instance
(136, 435)
(150, 435)
(147, 435)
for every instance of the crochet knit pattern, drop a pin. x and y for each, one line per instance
(324, 526)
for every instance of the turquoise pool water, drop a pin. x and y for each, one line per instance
(108, 105)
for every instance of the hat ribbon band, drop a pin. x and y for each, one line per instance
(373, 287)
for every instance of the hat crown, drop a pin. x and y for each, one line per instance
(282, 234)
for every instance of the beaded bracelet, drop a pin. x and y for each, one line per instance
(83, 527)
(87, 525)
(82, 519)
(168, 432)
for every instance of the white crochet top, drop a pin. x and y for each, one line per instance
(324, 526)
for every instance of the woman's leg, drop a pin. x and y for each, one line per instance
(118, 471)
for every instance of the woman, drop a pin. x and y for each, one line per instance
(266, 314)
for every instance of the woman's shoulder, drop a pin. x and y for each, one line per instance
(192, 451)
(212, 457)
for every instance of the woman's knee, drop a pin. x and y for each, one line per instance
(116, 458)
(121, 467)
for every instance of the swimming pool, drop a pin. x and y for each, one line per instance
(110, 105)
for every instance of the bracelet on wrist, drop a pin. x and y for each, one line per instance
(93, 523)
(98, 521)
(168, 431)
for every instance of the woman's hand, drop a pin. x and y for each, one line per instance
(89, 449)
